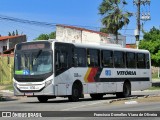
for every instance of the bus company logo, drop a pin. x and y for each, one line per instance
(126, 72)
(108, 72)
(6, 114)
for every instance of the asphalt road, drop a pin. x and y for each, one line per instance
(86, 104)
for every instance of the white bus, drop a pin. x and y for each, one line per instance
(50, 69)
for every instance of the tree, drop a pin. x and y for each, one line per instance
(52, 35)
(43, 37)
(13, 33)
(16, 32)
(9, 34)
(151, 42)
(114, 17)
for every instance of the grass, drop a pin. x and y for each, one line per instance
(6, 87)
(155, 75)
(154, 88)
(9, 87)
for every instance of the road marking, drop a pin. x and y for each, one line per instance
(102, 101)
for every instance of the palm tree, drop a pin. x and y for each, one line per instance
(114, 17)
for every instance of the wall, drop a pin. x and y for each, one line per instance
(6, 70)
(3, 43)
(68, 34)
(74, 35)
(86, 36)
(14, 41)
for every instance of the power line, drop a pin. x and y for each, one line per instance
(43, 24)
(7, 18)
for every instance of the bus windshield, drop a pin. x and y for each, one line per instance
(33, 63)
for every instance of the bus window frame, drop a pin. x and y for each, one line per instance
(111, 64)
(138, 62)
(135, 65)
(98, 55)
(77, 59)
(123, 56)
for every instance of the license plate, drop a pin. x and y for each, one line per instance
(29, 94)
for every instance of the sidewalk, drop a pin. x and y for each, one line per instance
(7, 95)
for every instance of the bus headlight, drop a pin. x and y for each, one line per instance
(15, 84)
(48, 83)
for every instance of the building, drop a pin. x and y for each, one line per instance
(82, 35)
(8, 42)
(131, 46)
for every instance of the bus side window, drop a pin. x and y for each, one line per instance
(80, 57)
(107, 58)
(61, 57)
(57, 62)
(93, 58)
(119, 61)
(141, 60)
(130, 60)
(147, 61)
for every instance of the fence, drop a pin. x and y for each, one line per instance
(6, 69)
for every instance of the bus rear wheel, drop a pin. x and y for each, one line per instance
(42, 99)
(75, 94)
(96, 96)
(126, 91)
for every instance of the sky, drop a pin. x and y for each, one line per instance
(70, 12)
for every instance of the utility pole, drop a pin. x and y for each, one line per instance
(145, 17)
(138, 22)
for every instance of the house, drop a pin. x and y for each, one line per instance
(82, 35)
(131, 46)
(8, 42)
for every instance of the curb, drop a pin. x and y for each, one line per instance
(156, 84)
(121, 99)
(132, 98)
(4, 97)
(8, 98)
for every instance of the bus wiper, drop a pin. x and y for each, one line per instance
(39, 52)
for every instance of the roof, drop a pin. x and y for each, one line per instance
(2, 38)
(83, 29)
(9, 51)
(105, 47)
(131, 46)
(101, 46)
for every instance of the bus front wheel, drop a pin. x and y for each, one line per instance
(42, 99)
(75, 94)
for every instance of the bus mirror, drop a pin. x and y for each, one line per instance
(62, 58)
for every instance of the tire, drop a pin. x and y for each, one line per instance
(42, 99)
(126, 91)
(96, 96)
(75, 94)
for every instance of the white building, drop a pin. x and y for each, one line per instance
(82, 35)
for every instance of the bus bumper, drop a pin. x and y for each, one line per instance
(27, 90)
